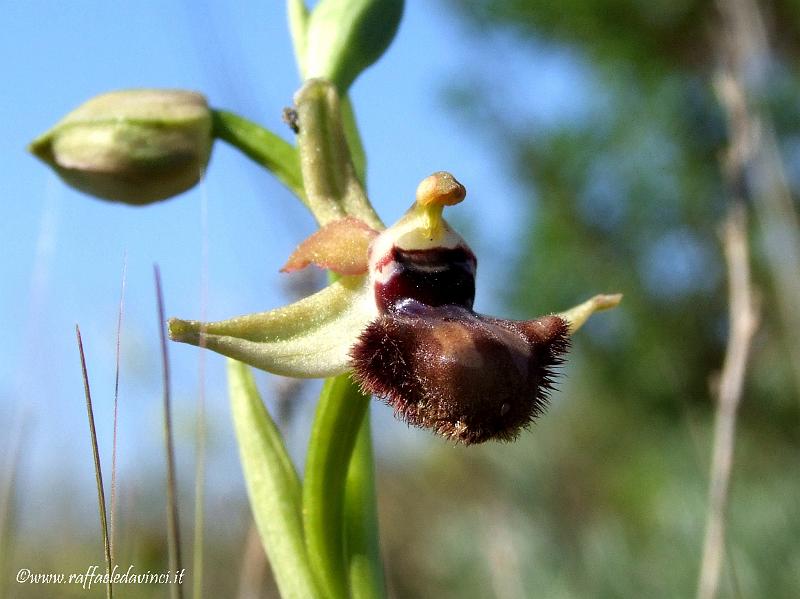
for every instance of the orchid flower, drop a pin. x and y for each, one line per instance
(400, 319)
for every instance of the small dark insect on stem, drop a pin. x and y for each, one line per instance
(98, 472)
(289, 116)
(173, 523)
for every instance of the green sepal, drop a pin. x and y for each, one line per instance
(310, 338)
(578, 315)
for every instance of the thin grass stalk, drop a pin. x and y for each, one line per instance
(740, 26)
(98, 471)
(7, 487)
(198, 546)
(747, 56)
(743, 323)
(254, 565)
(112, 533)
(199, 489)
(173, 522)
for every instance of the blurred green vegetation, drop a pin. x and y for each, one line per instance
(607, 496)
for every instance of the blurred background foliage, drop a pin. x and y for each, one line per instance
(606, 496)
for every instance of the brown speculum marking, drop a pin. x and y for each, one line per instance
(434, 277)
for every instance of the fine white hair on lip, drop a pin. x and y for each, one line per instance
(386, 273)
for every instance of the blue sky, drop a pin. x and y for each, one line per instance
(63, 251)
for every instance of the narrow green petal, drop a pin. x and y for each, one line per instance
(272, 485)
(578, 315)
(310, 338)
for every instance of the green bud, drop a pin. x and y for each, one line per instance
(132, 146)
(344, 37)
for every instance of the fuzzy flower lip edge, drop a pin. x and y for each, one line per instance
(401, 320)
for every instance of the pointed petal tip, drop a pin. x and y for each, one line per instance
(185, 331)
(578, 315)
(606, 301)
(42, 148)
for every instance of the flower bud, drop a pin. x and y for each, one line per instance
(344, 37)
(132, 146)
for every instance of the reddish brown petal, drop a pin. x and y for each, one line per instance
(340, 246)
(468, 377)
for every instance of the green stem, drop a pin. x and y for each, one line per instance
(336, 425)
(361, 503)
(340, 512)
(361, 521)
(262, 146)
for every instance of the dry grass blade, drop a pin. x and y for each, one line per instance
(116, 409)
(199, 506)
(747, 57)
(743, 323)
(742, 50)
(254, 566)
(173, 522)
(13, 454)
(98, 472)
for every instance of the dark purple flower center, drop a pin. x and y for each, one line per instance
(434, 277)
